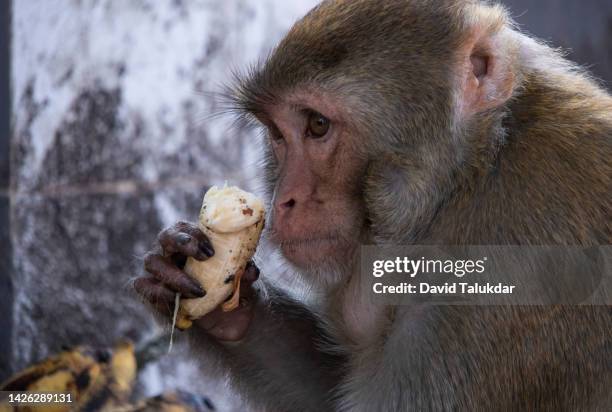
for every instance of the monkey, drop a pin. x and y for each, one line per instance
(410, 122)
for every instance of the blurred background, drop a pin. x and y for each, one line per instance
(106, 137)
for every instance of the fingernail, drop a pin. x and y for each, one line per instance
(183, 239)
(206, 249)
(197, 290)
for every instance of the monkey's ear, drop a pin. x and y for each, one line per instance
(487, 76)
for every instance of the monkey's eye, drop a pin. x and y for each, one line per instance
(318, 125)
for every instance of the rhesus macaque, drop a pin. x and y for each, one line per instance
(412, 122)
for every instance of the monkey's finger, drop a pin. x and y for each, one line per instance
(251, 273)
(194, 231)
(175, 279)
(186, 239)
(156, 294)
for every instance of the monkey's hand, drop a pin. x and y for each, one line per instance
(166, 278)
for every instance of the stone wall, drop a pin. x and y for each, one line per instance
(114, 137)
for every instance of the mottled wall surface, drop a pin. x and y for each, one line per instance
(113, 139)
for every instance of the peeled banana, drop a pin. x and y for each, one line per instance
(233, 220)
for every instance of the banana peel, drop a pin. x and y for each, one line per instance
(177, 401)
(97, 380)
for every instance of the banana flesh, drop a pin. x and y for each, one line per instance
(233, 220)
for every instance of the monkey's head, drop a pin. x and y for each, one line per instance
(366, 105)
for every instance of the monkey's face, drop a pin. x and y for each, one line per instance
(337, 92)
(317, 211)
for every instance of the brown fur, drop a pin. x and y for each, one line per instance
(530, 167)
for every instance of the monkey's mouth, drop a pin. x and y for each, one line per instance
(308, 243)
(306, 252)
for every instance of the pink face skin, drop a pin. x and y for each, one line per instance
(317, 211)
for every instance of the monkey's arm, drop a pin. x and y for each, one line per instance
(279, 364)
(467, 358)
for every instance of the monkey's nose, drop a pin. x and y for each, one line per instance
(284, 207)
(289, 204)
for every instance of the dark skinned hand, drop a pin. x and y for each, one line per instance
(165, 278)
